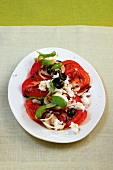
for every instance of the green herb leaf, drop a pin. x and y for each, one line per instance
(56, 66)
(41, 109)
(59, 101)
(52, 88)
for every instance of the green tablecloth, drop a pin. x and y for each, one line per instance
(21, 151)
(56, 12)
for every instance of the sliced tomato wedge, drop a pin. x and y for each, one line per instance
(31, 114)
(76, 74)
(29, 104)
(70, 64)
(30, 88)
(35, 67)
(35, 72)
(31, 109)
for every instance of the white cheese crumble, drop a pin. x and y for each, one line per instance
(58, 125)
(86, 101)
(48, 84)
(69, 91)
(67, 87)
(79, 106)
(42, 86)
(74, 127)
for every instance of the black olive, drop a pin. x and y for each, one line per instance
(71, 112)
(49, 71)
(58, 83)
(55, 72)
(63, 76)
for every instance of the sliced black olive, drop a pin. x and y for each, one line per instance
(49, 71)
(58, 83)
(63, 76)
(71, 112)
(55, 72)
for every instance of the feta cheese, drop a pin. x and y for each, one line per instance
(58, 125)
(48, 84)
(79, 106)
(42, 86)
(70, 99)
(68, 87)
(69, 91)
(74, 127)
(85, 101)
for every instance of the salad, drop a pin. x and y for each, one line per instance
(57, 92)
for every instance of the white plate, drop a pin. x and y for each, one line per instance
(16, 100)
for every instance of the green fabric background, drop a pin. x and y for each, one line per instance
(56, 12)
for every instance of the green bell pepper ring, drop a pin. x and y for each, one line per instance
(41, 55)
(46, 62)
(56, 66)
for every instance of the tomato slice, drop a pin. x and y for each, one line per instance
(77, 99)
(29, 104)
(31, 109)
(31, 114)
(34, 72)
(76, 74)
(35, 67)
(70, 64)
(78, 118)
(30, 88)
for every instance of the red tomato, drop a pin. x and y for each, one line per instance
(35, 67)
(62, 117)
(77, 99)
(34, 72)
(78, 118)
(76, 73)
(70, 64)
(31, 109)
(30, 88)
(29, 104)
(31, 114)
